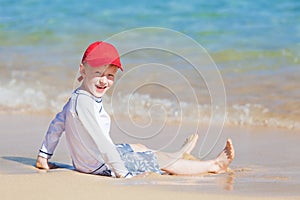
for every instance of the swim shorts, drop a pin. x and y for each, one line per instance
(138, 162)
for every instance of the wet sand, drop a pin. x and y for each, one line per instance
(266, 167)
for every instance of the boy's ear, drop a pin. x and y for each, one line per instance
(82, 70)
(82, 73)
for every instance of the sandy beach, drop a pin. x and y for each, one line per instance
(266, 167)
(185, 65)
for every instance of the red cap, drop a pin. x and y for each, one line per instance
(101, 53)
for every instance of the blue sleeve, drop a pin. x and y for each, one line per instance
(54, 132)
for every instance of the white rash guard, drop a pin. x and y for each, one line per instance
(86, 125)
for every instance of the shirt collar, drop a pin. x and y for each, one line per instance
(80, 91)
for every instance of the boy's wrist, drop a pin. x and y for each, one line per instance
(44, 155)
(128, 175)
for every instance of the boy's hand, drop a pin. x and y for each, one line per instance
(42, 163)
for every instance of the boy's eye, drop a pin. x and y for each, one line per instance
(110, 76)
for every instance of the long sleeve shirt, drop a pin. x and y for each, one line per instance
(87, 126)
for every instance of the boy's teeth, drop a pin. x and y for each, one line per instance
(101, 87)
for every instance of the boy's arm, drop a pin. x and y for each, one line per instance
(89, 117)
(55, 130)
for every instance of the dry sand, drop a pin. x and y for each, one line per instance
(266, 167)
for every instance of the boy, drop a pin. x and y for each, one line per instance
(87, 126)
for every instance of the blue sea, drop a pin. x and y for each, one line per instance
(254, 45)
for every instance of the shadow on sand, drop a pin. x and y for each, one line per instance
(31, 162)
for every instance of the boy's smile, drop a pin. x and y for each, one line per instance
(100, 89)
(97, 80)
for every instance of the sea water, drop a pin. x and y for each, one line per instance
(254, 44)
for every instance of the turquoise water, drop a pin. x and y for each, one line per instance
(218, 25)
(255, 44)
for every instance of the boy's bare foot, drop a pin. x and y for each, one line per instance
(224, 159)
(42, 163)
(189, 144)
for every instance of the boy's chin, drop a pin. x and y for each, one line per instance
(98, 94)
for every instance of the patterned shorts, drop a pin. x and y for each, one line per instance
(138, 162)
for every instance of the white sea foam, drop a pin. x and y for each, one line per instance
(140, 107)
(19, 98)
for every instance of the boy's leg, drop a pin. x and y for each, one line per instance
(186, 148)
(177, 163)
(194, 167)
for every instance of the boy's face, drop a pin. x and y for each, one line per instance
(97, 80)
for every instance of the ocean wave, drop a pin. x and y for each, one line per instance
(143, 108)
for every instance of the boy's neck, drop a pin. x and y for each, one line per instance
(81, 90)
